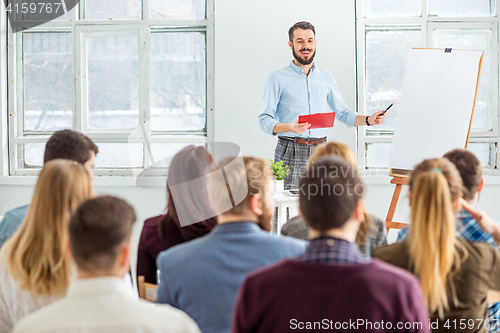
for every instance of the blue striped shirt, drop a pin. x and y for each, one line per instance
(329, 250)
(289, 93)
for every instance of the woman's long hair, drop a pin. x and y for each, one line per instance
(36, 253)
(340, 149)
(435, 185)
(189, 164)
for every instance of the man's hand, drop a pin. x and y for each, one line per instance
(485, 222)
(377, 118)
(297, 127)
(294, 127)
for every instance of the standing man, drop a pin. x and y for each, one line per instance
(303, 89)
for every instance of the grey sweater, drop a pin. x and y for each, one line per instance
(297, 228)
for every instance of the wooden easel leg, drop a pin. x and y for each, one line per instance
(394, 203)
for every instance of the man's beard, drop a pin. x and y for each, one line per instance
(265, 220)
(301, 60)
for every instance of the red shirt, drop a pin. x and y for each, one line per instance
(150, 245)
(293, 296)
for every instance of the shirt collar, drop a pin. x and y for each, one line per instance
(299, 70)
(328, 241)
(462, 213)
(98, 286)
(236, 227)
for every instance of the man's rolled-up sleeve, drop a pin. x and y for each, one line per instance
(270, 100)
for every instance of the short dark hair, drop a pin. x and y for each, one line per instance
(97, 231)
(300, 25)
(470, 169)
(329, 192)
(69, 145)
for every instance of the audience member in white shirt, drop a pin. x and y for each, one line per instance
(99, 301)
(34, 267)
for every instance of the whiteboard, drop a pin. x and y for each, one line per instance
(436, 105)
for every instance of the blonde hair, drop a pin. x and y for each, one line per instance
(433, 247)
(343, 150)
(246, 177)
(36, 253)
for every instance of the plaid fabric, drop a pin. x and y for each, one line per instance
(295, 155)
(469, 229)
(333, 251)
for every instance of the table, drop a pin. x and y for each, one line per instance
(282, 202)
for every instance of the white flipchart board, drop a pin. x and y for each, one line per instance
(436, 106)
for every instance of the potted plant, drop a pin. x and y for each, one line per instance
(280, 171)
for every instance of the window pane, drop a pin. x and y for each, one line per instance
(119, 155)
(113, 82)
(485, 152)
(177, 9)
(473, 40)
(460, 7)
(388, 8)
(377, 155)
(47, 81)
(46, 10)
(113, 9)
(383, 81)
(178, 82)
(33, 154)
(168, 150)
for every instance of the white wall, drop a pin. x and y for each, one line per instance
(251, 42)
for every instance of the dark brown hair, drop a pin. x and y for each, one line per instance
(190, 163)
(69, 145)
(300, 25)
(470, 170)
(329, 192)
(97, 231)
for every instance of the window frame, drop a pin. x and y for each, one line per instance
(80, 30)
(426, 24)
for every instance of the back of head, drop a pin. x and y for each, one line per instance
(470, 170)
(69, 145)
(333, 148)
(434, 187)
(234, 183)
(187, 193)
(98, 229)
(36, 252)
(329, 193)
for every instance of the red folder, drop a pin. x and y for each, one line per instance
(318, 120)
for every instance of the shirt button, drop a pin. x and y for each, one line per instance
(330, 242)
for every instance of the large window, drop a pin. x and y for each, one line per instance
(387, 30)
(112, 69)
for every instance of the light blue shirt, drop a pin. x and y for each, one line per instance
(11, 222)
(289, 93)
(202, 277)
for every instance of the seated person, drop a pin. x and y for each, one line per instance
(372, 233)
(99, 300)
(469, 167)
(34, 269)
(455, 273)
(65, 144)
(202, 277)
(333, 283)
(162, 232)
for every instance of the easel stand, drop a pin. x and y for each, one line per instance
(389, 224)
